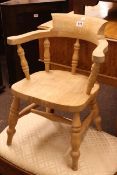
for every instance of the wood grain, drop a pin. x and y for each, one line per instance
(57, 89)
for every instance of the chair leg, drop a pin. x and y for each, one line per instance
(12, 121)
(97, 118)
(75, 140)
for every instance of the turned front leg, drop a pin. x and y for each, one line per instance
(12, 121)
(75, 140)
(97, 118)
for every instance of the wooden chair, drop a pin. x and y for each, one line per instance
(57, 89)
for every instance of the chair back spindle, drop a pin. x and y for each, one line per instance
(75, 56)
(47, 54)
(24, 63)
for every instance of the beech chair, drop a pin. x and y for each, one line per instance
(57, 89)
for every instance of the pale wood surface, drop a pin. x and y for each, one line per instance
(57, 88)
(63, 90)
(47, 54)
(52, 117)
(75, 140)
(27, 109)
(79, 26)
(75, 56)
(13, 118)
(70, 25)
(107, 76)
(93, 76)
(23, 61)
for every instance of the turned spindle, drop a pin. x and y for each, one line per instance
(75, 56)
(24, 63)
(47, 54)
(12, 121)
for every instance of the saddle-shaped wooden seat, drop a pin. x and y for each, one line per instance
(51, 88)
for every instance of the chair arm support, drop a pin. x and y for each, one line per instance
(98, 55)
(26, 37)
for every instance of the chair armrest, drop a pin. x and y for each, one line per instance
(20, 39)
(98, 55)
(26, 37)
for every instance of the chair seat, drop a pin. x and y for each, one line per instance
(43, 148)
(58, 88)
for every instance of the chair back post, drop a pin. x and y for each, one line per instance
(75, 56)
(47, 54)
(24, 63)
